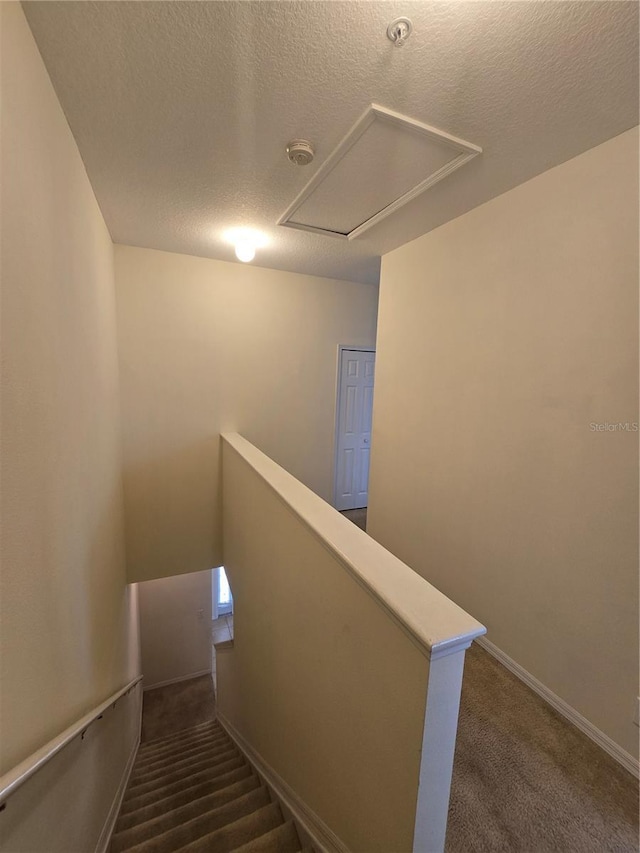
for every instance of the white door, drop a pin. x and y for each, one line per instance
(355, 406)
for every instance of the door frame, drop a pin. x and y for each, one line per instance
(336, 430)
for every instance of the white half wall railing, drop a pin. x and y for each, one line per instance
(346, 669)
(66, 795)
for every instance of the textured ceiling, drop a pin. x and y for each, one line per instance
(182, 110)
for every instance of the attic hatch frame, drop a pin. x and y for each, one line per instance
(375, 112)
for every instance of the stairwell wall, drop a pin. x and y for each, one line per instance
(175, 628)
(209, 346)
(68, 621)
(504, 337)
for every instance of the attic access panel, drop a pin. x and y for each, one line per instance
(383, 162)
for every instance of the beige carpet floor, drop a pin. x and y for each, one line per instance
(357, 516)
(170, 709)
(526, 780)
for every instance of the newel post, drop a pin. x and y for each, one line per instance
(438, 745)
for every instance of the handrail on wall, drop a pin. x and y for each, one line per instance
(11, 781)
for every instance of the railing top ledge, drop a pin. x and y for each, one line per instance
(435, 623)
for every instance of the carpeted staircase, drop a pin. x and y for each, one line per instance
(194, 792)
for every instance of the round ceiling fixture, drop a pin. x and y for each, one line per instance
(245, 251)
(245, 242)
(300, 152)
(399, 31)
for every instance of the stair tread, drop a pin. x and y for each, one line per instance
(194, 792)
(203, 730)
(196, 827)
(150, 749)
(282, 839)
(170, 818)
(178, 732)
(181, 734)
(184, 749)
(235, 834)
(182, 768)
(131, 803)
(176, 761)
(185, 795)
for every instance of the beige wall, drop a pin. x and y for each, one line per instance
(175, 627)
(321, 681)
(208, 346)
(68, 621)
(502, 336)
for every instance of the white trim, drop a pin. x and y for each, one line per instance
(336, 431)
(312, 229)
(435, 624)
(604, 741)
(467, 151)
(320, 836)
(178, 679)
(109, 825)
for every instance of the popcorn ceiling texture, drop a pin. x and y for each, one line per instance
(182, 111)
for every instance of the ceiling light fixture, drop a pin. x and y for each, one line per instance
(246, 241)
(245, 251)
(399, 31)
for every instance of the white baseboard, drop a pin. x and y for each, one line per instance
(178, 679)
(604, 741)
(323, 839)
(109, 825)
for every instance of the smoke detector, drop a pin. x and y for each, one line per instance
(300, 152)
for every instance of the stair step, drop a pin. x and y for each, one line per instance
(205, 824)
(150, 746)
(208, 724)
(235, 834)
(143, 799)
(185, 743)
(177, 761)
(219, 785)
(169, 819)
(175, 768)
(207, 730)
(194, 792)
(212, 726)
(144, 785)
(209, 740)
(282, 839)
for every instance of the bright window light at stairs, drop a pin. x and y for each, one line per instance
(224, 593)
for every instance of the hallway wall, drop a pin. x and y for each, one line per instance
(68, 621)
(207, 346)
(505, 338)
(175, 628)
